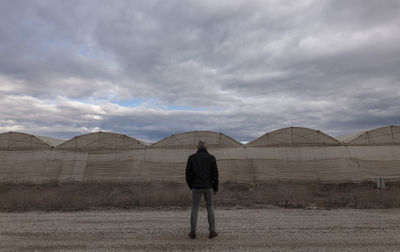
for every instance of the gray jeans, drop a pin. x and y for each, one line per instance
(209, 197)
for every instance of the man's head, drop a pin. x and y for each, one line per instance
(202, 145)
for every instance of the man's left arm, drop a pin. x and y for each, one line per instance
(214, 174)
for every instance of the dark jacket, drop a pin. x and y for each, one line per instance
(202, 171)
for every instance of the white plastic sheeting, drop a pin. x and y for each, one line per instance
(325, 163)
(379, 136)
(102, 141)
(21, 141)
(42, 166)
(292, 154)
(247, 164)
(191, 139)
(293, 136)
(51, 140)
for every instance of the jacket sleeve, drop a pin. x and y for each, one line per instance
(214, 174)
(188, 174)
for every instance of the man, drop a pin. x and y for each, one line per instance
(202, 179)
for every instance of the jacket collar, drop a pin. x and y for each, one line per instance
(202, 151)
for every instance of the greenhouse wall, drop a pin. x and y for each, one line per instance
(133, 161)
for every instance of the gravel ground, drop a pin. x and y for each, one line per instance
(239, 229)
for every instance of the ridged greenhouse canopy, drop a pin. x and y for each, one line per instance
(191, 139)
(102, 140)
(21, 141)
(383, 135)
(291, 136)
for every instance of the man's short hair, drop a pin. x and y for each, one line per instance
(202, 145)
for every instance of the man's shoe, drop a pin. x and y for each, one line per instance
(192, 235)
(212, 235)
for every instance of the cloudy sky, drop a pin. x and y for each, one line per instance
(150, 68)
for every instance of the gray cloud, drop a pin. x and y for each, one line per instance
(242, 67)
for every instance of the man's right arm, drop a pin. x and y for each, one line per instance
(188, 174)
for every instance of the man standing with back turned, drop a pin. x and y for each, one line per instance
(202, 179)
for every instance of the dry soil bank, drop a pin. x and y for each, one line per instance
(94, 195)
(275, 229)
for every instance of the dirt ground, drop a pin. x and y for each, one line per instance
(273, 229)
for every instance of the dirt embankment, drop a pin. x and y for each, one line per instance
(85, 196)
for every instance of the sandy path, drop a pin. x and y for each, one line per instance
(239, 229)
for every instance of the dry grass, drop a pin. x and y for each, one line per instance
(94, 195)
(84, 196)
(314, 195)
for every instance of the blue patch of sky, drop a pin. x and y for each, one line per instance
(91, 101)
(131, 103)
(151, 103)
(50, 102)
(174, 108)
(88, 53)
(85, 101)
(53, 102)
